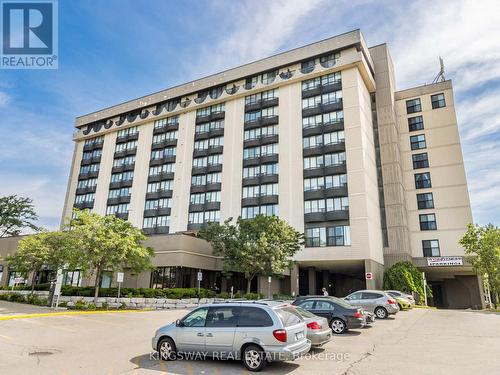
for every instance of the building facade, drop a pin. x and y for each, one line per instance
(319, 136)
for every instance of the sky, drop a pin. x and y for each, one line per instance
(115, 50)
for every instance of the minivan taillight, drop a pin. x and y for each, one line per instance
(357, 314)
(313, 325)
(391, 301)
(280, 335)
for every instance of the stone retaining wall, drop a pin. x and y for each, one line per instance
(131, 303)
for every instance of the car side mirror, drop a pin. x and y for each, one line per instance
(178, 323)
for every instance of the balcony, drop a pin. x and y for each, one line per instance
(207, 206)
(322, 108)
(208, 169)
(322, 89)
(159, 194)
(210, 117)
(127, 137)
(259, 201)
(86, 190)
(163, 211)
(123, 168)
(323, 128)
(156, 230)
(261, 141)
(162, 160)
(324, 149)
(261, 160)
(84, 205)
(87, 175)
(93, 146)
(325, 171)
(161, 177)
(261, 104)
(314, 217)
(326, 193)
(210, 134)
(166, 128)
(259, 180)
(122, 215)
(118, 200)
(164, 143)
(92, 160)
(205, 188)
(120, 184)
(123, 153)
(262, 121)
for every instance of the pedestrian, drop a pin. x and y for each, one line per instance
(325, 292)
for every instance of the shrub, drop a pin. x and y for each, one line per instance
(63, 304)
(123, 306)
(253, 296)
(16, 297)
(405, 277)
(91, 306)
(104, 306)
(224, 295)
(80, 305)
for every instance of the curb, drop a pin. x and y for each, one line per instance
(41, 315)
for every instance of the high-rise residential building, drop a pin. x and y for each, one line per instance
(319, 136)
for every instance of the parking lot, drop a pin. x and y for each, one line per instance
(417, 341)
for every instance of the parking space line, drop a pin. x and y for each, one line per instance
(40, 315)
(6, 337)
(51, 326)
(163, 367)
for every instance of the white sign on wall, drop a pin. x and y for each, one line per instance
(369, 276)
(119, 277)
(445, 261)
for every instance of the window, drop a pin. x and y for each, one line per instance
(196, 319)
(168, 136)
(437, 101)
(425, 201)
(162, 169)
(217, 108)
(214, 178)
(339, 236)
(267, 78)
(337, 204)
(129, 131)
(212, 196)
(157, 221)
(216, 142)
(253, 317)
(252, 211)
(164, 122)
(323, 305)
(82, 184)
(260, 170)
(214, 159)
(315, 237)
(428, 222)
(328, 98)
(335, 181)
(223, 316)
(260, 190)
(316, 205)
(415, 123)
(261, 96)
(420, 160)
(413, 106)
(423, 180)
(154, 204)
(116, 193)
(120, 162)
(417, 142)
(198, 180)
(329, 60)
(266, 131)
(315, 183)
(307, 305)
(431, 248)
(264, 150)
(130, 145)
(117, 209)
(154, 187)
(370, 295)
(334, 159)
(94, 141)
(82, 198)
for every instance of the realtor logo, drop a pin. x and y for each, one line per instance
(29, 34)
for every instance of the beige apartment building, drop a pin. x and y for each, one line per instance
(319, 136)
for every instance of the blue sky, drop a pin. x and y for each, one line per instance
(115, 50)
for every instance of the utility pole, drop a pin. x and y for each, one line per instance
(425, 288)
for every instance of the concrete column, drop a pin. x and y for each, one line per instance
(377, 271)
(294, 280)
(326, 280)
(312, 280)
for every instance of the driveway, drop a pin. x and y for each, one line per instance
(414, 342)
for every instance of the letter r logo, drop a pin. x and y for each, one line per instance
(27, 28)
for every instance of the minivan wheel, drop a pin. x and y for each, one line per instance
(338, 326)
(253, 358)
(166, 349)
(381, 313)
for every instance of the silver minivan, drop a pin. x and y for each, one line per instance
(375, 301)
(253, 332)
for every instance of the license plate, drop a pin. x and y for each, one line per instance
(299, 336)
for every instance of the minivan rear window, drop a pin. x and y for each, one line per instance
(289, 316)
(253, 317)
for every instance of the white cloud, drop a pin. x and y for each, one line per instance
(4, 99)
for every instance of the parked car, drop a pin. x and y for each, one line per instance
(318, 330)
(253, 332)
(340, 315)
(403, 303)
(397, 293)
(376, 301)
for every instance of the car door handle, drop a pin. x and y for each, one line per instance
(210, 335)
(200, 334)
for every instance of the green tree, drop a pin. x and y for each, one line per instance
(405, 277)
(482, 245)
(263, 245)
(16, 214)
(52, 250)
(107, 243)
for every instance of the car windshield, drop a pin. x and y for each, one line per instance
(289, 316)
(304, 313)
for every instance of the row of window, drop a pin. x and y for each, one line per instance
(162, 137)
(260, 190)
(261, 97)
(82, 198)
(94, 141)
(153, 204)
(322, 119)
(324, 99)
(162, 169)
(163, 153)
(207, 127)
(125, 146)
(128, 131)
(326, 160)
(213, 109)
(122, 162)
(326, 205)
(154, 187)
(326, 80)
(204, 217)
(258, 151)
(122, 208)
(324, 139)
(326, 61)
(205, 144)
(165, 122)
(260, 170)
(208, 197)
(265, 209)
(261, 113)
(205, 161)
(206, 179)
(90, 168)
(88, 183)
(325, 182)
(328, 236)
(266, 78)
(156, 222)
(92, 154)
(122, 176)
(262, 132)
(117, 193)
(415, 105)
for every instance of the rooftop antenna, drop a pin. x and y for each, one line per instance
(440, 75)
